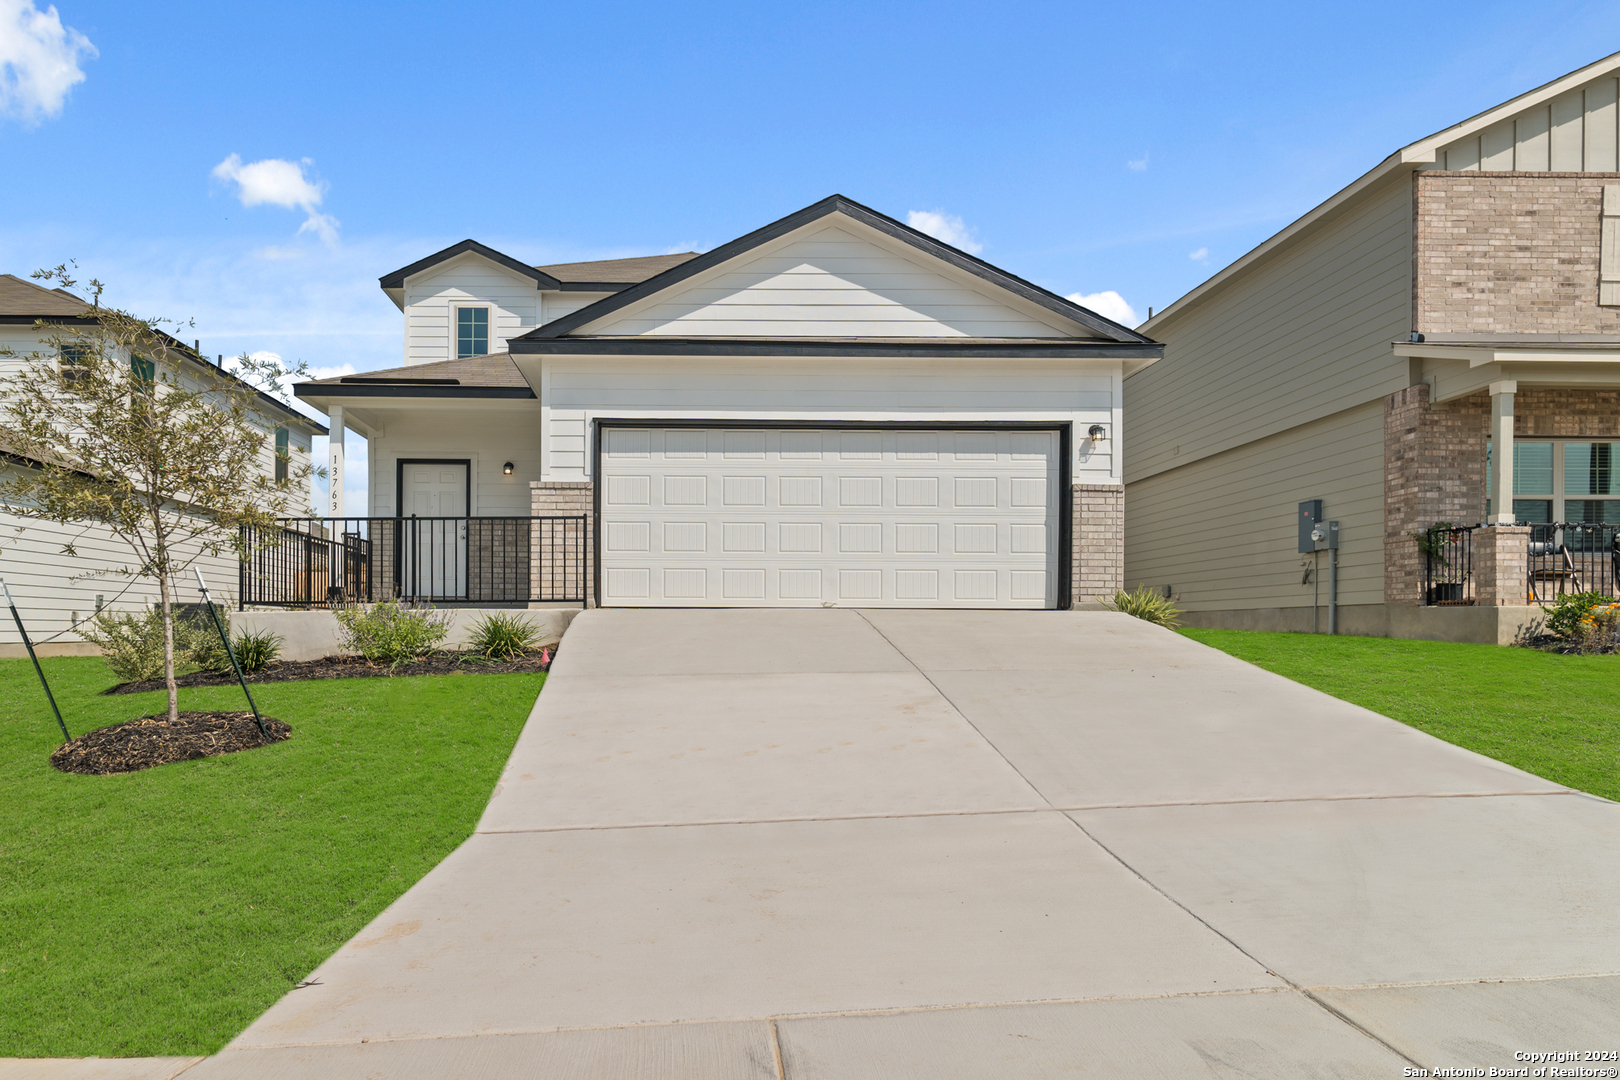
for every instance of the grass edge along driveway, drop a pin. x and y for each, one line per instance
(1555, 716)
(160, 912)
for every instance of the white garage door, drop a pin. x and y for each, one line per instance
(734, 517)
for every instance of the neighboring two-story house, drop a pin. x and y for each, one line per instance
(1437, 342)
(833, 409)
(55, 590)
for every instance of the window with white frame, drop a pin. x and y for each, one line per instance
(472, 331)
(1564, 480)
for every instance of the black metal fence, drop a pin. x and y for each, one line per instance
(328, 562)
(1564, 557)
(1448, 565)
(1572, 557)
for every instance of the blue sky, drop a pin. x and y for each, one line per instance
(1089, 148)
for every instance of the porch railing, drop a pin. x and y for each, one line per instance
(1572, 557)
(1561, 557)
(329, 562)
(1448, 566)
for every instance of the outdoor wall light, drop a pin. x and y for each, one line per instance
(507, 468)
(1098, 433)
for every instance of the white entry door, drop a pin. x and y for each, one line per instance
(434, 532)
(793, 517)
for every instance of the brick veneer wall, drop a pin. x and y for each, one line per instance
(1434, 470)
(1508, 253)
(1098, 567)
(564, 497)
(1434, 462)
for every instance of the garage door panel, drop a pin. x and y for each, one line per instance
(749, 516)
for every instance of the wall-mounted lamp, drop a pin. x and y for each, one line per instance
(507, 468)
(1098, 433)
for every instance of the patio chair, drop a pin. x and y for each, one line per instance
(1562, 574)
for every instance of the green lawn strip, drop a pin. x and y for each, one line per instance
(1555, 716)
(160, 912)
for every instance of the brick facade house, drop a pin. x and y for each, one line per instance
(1439, 342)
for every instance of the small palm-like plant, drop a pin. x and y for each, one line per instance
(257, 650)
(1147, 604)
(503, 637)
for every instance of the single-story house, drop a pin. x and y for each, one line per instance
(1437, 343)
(835, 409)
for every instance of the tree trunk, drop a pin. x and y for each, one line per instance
(168, 646)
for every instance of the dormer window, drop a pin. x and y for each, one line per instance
(472, 331)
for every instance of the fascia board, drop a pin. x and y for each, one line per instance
(1424, 150)
(398, 278)
(922, 348)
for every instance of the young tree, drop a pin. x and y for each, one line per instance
(124, 427)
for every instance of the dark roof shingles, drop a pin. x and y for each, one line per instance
(617, 271)
(495, 369)
(24, 298)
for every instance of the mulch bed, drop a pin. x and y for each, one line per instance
(353, 667)
(156, 740)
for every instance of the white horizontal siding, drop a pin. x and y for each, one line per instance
(1578, 131)
(25, 340)
(829, 282)
(53, 589)
(1222, 531)
(1304, 335)
(432, 295)
(554, 305)
(488, 438)
(825, 389)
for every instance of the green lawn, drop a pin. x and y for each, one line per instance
(1555, 716)
(160, 912)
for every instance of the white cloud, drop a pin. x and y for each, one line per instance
(1138, 164)
(1201, 255)
(39, 60)
(1108, 304)
(279, 183)
(946, 227)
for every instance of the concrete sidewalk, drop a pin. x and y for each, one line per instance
(829, 844)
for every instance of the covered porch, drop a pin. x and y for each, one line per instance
(1501, 487)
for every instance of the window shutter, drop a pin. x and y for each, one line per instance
(1609, 252)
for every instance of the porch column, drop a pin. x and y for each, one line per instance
(335, 469)
(1499, 485)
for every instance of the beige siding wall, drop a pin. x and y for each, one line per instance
(828, 281)
(1221, 531)
(1575, 132)
(1301, 336)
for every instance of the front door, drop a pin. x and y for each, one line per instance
(434, 532)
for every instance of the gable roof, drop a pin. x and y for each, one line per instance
(1407, 159)
(835, 204)
(541, 279)
(22, 302)
(598, 275)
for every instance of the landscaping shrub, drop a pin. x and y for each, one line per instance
(131, 643)
(1566, 615)
(196, 639)
(1147, 604)
(256, 651)
(504, 637)
(391, 632)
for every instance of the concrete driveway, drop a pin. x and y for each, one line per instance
(840, 844)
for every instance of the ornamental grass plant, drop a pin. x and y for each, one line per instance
(1146, 604)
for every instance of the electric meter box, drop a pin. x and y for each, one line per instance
(1310, 516)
